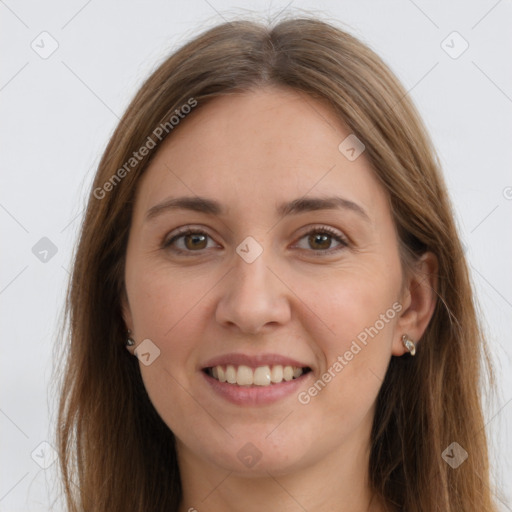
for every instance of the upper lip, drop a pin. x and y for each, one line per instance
(253, 361)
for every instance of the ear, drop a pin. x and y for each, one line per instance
(419, 299)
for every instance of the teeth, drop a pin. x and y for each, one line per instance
(244, 376)
(261, 376)
(297, 372)
(231, 374)
(276, 375)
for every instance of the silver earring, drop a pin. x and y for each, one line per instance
(409, 344)
(130, 341)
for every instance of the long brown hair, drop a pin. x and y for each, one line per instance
(116, 453)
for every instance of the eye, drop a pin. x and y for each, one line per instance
(319, 239)
(322, 239)
(190, 240)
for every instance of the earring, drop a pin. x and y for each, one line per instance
(409, 344)
(130, 341)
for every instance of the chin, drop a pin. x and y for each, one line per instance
(257, 456)
(261, 465)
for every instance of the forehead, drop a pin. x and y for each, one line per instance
(271, 143)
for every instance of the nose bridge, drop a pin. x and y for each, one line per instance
(251, 260)
(251, 281)
(253, 296)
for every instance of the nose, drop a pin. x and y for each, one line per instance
(253, 298)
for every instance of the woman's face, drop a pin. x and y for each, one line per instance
(260, 252)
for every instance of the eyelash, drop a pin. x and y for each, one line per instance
(326, 230)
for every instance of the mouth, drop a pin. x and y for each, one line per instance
(260, 376)
(255, 379)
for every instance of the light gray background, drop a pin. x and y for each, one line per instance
(58, 113)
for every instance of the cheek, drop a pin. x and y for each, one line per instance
(361, 312)
(169, 310)
(356, 304)
(162, 300)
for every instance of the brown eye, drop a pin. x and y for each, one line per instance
(190, 241)
(320, 241)
(195, 241)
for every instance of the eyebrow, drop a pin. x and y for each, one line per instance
(301, 205)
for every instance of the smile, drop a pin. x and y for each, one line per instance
(267, 375)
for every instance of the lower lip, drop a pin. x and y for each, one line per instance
(256, 395)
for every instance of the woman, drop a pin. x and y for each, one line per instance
(270, 307)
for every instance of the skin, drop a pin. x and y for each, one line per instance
(250, 152)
